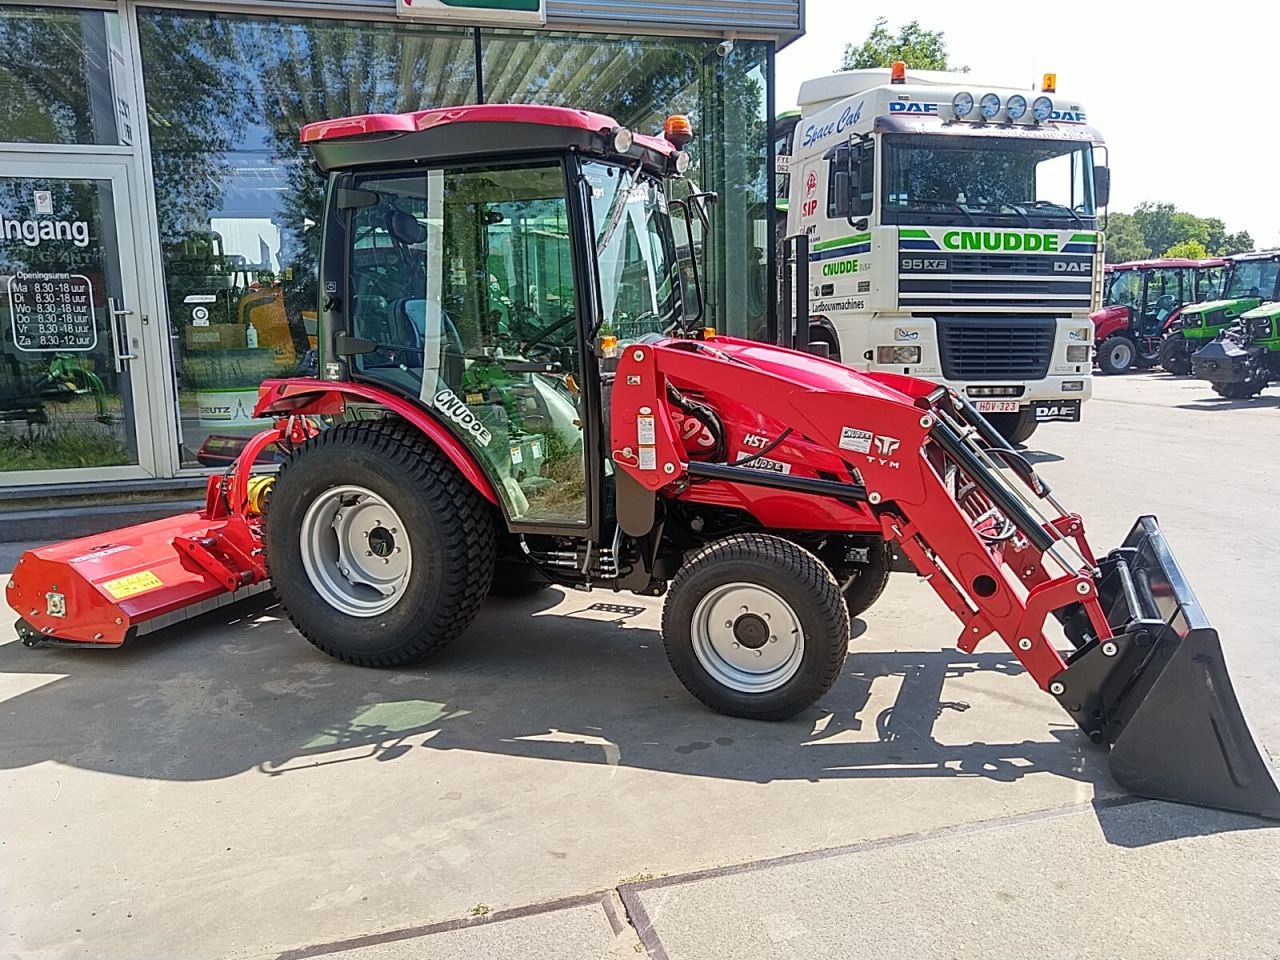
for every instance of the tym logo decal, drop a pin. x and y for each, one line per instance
(838, 268)
(999, 240)
(813, 133)
(1071, 266)
(447, 402)
(886, 445)
(899, 107)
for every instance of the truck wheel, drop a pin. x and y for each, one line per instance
(1174, 357)
(1014, 427)
(868, 580)
(379, 550)
(1115, 355)
(755, 626)
(1241, 390)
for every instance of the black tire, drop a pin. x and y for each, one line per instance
(869, 580)
(1174, 357)
(1116, 355)
(1014, 427)
(793, 575)
(1242, 390)
(446, 522)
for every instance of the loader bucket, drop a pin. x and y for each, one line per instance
(1160, 693)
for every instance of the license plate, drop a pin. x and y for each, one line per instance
(1067, 411)
(997, 406)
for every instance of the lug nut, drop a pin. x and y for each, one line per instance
(1057, 689)
(759, 653)
(728, 624)
(735, 646)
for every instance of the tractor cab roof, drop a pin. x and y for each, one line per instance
(1254, 255)
(483, 131)
(1165, 263)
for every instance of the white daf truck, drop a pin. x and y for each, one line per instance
(953, 235)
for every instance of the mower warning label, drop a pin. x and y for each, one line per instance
(133, 584)
(859, 441)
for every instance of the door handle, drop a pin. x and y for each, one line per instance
(116, 314)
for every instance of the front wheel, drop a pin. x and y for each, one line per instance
(379, 550)
(755, 626)
(1014, 427)
(1174, 356)
(1115, 355)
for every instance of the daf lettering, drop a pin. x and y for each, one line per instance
(899, 107)
(1071, 266)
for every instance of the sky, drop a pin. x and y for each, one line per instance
(1185, 96)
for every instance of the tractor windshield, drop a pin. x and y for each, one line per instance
(988, 180)
(1125, 288)
(1253, 278)
(639, 276)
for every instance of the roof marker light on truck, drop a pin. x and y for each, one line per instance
(898, 72)
(989, 105)
(962, 104)
(1050, 84)
(1041, 109)
(1016, 106)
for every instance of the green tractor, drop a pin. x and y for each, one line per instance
(1254, 279)
(1241, 362)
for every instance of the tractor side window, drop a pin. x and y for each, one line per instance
(463, 279)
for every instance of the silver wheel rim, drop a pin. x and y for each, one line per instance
(355, 551)
(747, 638)
(1121, 355)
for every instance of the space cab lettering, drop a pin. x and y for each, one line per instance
(1000, 240)
(813, 133)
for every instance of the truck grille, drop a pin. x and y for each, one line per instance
(978, 280)
(995, 348)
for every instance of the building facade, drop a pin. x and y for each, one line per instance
(158, 236)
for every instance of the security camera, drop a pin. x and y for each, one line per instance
(724, 48)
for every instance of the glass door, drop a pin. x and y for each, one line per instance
(76, 352)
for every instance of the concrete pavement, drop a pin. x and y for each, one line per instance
(225, 791)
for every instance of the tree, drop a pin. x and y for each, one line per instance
(1235, 243)
(1124, 239)
(1187, 250)
(919, 48)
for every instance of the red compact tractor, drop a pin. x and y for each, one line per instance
(524, 393)
(1143, 299)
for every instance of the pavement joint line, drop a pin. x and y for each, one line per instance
(600, 898)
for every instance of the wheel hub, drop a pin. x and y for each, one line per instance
(747, 637)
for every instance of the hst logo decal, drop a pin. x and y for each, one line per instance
(898, 106)
(813, 133)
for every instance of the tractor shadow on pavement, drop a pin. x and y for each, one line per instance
(241, 692)
(1214, 403)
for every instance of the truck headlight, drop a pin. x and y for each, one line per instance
(1078, 352)
(898, 356)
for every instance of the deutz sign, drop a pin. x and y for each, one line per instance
(486, 11)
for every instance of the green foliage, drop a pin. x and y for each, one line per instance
(1188, 249)
(919, 48)
(1159, 229)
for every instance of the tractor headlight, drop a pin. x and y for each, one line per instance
(622, 140)
(1041, 109)
(682, 161)
(962, 104)
(904, 356)
(1191, 319)
(989, 105)
(1260, 328)
(1016, 107)
(1078, 352)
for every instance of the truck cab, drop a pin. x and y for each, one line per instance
(953, 235)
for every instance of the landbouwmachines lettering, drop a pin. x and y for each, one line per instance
(757, 487)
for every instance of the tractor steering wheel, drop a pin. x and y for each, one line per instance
(559, 324)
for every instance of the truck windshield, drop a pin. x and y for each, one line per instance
(639, 276)
(1253, 278)
(1002, 180)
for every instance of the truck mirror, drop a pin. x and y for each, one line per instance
(842, 187)
(1102, 185)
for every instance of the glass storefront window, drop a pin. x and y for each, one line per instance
(640, 81)
(237, 202)
(61, 77)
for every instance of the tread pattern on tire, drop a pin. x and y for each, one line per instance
(463, 516)
(784, 556)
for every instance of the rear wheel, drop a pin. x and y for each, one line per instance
(379, 550)
(1116, 354)
(1174, 356)
(1014, 427)
(755, 626)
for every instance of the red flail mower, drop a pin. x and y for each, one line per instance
(515, 388)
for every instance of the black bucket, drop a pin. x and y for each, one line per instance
(1160, 693)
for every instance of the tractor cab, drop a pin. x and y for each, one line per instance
(1142, 300)
(494, 289)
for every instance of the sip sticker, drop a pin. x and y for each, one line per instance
(646, 430)
(859, 441)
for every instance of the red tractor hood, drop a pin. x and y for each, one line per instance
(1109, 320)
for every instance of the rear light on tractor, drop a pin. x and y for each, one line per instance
(1078, 353)
(897, 355)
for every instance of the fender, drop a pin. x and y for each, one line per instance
(1173, 321)
(310, 397)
